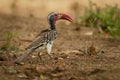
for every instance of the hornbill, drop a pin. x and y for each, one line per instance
(46, 38)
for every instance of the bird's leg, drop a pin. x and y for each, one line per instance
(50, 56)
(39, 55)
(49, 47)
(40, 59)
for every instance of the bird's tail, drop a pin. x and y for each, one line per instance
(24, 56)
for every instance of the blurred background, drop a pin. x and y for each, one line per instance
(40, 8)
(88, 49)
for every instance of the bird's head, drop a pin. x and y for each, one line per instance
(53, 17)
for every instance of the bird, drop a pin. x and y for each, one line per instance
(46, 37)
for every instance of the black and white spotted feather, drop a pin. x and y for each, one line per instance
(44, 39)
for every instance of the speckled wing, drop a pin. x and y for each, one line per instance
(43, 38)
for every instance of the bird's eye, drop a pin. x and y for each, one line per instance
(55, 15)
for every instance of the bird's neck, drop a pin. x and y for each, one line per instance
(52, 25)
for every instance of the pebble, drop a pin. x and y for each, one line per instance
(36, 78)
(11, 70)
(22, 76)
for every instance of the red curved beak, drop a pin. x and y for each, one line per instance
(65, 16)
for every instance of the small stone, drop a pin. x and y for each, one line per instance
(21, 63)
(11, 70)
(22, 76)
(35, 78)
(43, 77)
(60, 58)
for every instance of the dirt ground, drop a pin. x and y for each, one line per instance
(74, 56)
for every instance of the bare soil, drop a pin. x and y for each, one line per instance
(78, 54)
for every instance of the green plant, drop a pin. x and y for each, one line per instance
(8, 42)
(90, 18)
(107, 18)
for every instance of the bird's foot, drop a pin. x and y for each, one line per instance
(40, 59)
(52, 58)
